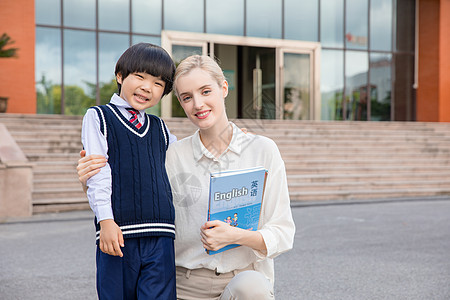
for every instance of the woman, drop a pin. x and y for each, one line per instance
(245, 272)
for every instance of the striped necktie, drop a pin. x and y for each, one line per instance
(134, 118)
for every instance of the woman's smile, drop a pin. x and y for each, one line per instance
(203, 114)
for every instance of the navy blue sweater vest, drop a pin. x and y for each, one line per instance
(141, 195)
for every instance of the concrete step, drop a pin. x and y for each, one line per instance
(330, 156)
(57, 183)
(384, 144)
(49, 149)
(295, 187)
(365, 169)
(367, 194)
(69, 205)
(55, 174)
(57, 194)
(41, 134)
(66, 165)
(278, 124)
(50, 143)
(39, 157)
(71, 132)
(368, 177)
(324, 160)
(361, 150)
(363, 162)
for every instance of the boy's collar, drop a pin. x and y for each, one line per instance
(120, 102)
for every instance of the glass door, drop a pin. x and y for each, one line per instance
(180, 52)
(296, 85)
(268, 78)
(256, 82)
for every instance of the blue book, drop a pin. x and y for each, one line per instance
(235, 197)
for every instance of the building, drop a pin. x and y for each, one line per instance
(375, 60)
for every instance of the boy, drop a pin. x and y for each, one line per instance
(131, 195)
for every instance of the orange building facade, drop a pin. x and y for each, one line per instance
(433, 91)
(432, 102)
(17, 81)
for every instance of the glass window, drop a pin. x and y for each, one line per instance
(404, 103)
(297, 91)
(225, 17)
(110, 48)
(332, 23)
(114, 15)
(146, 16)
(380, 87)
(405, 25)
(381, 25)
(264, 18)
(301, 20)
(79, 13)
(356, 13)
(356, 69)
(136, 38)
(79, 71)
(332, 84)
(48, 12)
(48, 70)
(183, 15)
(180, 52)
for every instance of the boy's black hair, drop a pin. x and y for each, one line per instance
(147, 58)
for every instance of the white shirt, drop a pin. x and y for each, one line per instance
(189, 165)
(94, 142)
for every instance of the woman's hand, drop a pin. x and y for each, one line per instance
(217, 234)
(88, 166)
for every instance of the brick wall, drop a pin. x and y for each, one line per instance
(433, 94)
(17, 74)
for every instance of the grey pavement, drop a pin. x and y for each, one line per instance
(355, 250)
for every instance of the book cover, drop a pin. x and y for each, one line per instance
(235, 197)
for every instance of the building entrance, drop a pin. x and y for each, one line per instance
(268, 79)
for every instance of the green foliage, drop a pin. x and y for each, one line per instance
(5, 40)
(76, 101)
(381, 111)
(177, 110)
(106, 90)
(49, 98)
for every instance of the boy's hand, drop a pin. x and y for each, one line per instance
(111, 238)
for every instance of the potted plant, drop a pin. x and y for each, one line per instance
(5, 41)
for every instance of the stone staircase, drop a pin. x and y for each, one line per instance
(362, 160)
(325, 161)
(52, 143)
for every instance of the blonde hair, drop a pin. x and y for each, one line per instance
(203, 62)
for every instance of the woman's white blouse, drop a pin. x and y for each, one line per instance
(189, 165)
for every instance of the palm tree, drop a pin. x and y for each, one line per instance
(5, 40)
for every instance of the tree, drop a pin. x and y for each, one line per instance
(5, 41)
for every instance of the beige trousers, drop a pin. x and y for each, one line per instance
(205, 284)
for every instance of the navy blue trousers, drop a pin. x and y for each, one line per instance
(146, 270)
